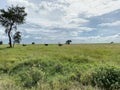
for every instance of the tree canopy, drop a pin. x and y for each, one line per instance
(17, 38)
(68, 41)
(10, 18)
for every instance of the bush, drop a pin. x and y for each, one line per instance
(1, 42)
(46, 44)
(60, 44)
(107, 78)
(30, 77)
(33, 43)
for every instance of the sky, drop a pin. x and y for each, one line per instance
(55, 21)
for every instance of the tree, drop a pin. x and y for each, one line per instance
(68, 41)
(10, 18)
(1, 42)
(16, 38)
(33, 43)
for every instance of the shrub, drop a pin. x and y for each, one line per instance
(33, 43)
(46, 44)
(1, 42)
(60, 44)
(107, 78)
(24, 45)
(30, 77)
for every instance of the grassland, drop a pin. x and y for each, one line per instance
(53, 67)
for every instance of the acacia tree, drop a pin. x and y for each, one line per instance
(10, 18)
(68, 41)
(17, 38)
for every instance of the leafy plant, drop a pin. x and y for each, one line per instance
(107, 78)
(30, 77)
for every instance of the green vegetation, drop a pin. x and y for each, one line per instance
(69, 67)
(10, 18)
(107, 77)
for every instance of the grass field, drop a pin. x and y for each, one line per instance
(67, 67)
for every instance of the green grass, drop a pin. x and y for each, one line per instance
(69, 67)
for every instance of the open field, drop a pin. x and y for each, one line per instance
(53, 67)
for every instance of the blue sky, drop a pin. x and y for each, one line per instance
(82, 21)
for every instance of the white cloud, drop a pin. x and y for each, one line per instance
(27, 36)
(65, 12)
(64, 19)
(92, 7)
(116, 23)
(49, 13)
(98, 39)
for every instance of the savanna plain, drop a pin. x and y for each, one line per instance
(67, 67)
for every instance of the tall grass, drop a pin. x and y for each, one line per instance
(69, 67)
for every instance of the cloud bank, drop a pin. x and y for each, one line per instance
(82, 21)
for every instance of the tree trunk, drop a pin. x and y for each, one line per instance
(9, 36)
(10, 40)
